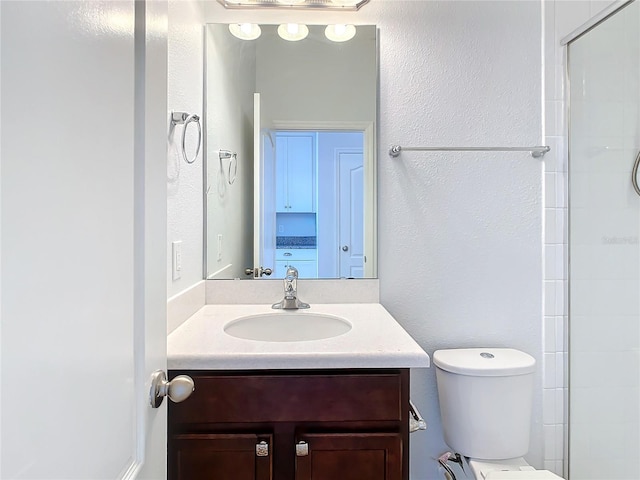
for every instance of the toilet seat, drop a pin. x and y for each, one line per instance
(508, 469)
(521, 475)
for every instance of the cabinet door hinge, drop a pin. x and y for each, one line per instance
(302, 449)
(262, 449)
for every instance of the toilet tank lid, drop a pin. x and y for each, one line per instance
(485, 362)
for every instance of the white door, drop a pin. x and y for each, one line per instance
(351, 205)
(267, 202)
(82, 238)
(258, 187)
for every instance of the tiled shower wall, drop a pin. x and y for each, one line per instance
(560, 17)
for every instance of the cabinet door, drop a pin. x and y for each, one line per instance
(282, 201)
(350, 456)
(220, 457)
(300, 174)
(295, 173)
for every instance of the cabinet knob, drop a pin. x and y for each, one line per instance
(262, 449)
(302, 449)
(345, 248)
(178, 389)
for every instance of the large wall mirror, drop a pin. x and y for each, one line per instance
(290, 169)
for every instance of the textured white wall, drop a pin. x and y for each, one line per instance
(184, 182)
(461, 234)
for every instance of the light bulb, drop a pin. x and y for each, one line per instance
(340, 32)
(245, 31)
(293, 31)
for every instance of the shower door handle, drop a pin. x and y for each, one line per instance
(634, 174)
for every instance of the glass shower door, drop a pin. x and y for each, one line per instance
(604, 250)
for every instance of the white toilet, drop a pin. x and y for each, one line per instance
(485, 404)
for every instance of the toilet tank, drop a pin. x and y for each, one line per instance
(485, 400)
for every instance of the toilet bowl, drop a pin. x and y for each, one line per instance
(485, 404)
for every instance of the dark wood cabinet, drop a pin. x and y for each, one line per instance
(316, 425)
(221, 457)
(351, 456)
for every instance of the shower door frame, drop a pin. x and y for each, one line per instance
(596, 21)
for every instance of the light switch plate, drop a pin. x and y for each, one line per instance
(176, 248)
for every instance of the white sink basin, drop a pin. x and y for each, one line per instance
(287, 327)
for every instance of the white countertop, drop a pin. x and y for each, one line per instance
(375, 340)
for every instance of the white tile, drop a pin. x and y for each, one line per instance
(553, 161)
(560, 297)
(561, 189)
(549, 298)
(549, 406)
(550, 225)
(550, 185)
(559, 394)
(550, 262)
(550, 334)
(560, 77)
(559, 333)
(559, 442)
(554, 117)
(559, 267)
(561, 222)
(558, 145)
(549, 370)
(559, 370)
(549, 442)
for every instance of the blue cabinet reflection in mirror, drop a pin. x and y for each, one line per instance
(306, 178)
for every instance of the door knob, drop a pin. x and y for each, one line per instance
(178, 389)
(258, 272)
(345, 248)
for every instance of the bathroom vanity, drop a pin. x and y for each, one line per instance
(328, 408)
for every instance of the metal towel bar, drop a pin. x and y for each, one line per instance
(536, 152)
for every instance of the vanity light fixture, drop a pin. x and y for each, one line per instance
(245, 31)
(293, 31)
(343, 5)
(340, 32)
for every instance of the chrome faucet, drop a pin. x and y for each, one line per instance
(290, 300)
